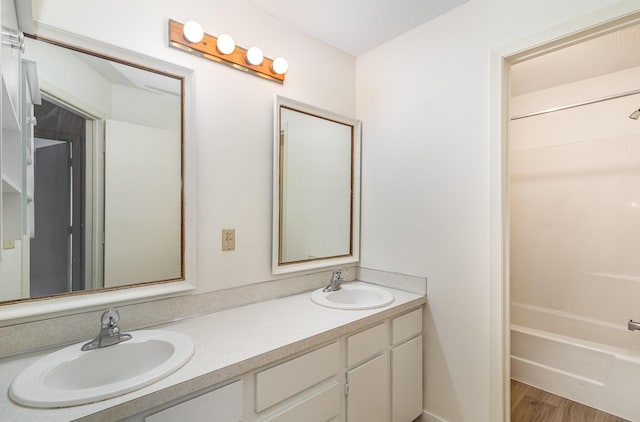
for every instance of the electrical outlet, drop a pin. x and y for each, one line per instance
(228, 239)
(8, 244)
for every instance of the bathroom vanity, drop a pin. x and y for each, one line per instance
(264, 351)
(274, 361)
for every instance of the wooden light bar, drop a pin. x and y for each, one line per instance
(207, 48)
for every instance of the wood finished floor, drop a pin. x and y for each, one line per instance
(528, 404)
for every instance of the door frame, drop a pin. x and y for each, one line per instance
(94, 187)
(605, 20)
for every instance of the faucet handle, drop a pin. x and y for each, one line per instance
(336, 280)
(109, 332)
(110, 318)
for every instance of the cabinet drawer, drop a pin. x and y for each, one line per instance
(366, 344)
(280, 382)
(225, 403)
(406, 326)
(320, 407)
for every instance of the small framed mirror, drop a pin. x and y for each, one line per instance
(316, 188)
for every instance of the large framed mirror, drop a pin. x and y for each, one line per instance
(105, 204)
(316, 188)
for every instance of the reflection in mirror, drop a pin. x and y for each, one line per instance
(315, 187)
(103, 202)
(316, 181)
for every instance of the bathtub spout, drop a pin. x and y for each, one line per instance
(633, 325)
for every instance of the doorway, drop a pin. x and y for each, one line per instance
(57, 250)
(573, 155)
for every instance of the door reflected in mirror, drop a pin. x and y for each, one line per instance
(316, 187)
(103, 201)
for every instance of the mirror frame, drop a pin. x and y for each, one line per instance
(354, 256)
(40, 308)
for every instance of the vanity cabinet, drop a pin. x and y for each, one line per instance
(374, 375)
(384, 373)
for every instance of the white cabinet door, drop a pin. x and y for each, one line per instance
(406, 379)
(221, 405)
(368, 391)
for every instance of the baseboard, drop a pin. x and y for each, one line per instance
(429, 417)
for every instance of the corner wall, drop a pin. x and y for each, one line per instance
(425, 102)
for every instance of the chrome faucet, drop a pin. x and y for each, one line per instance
(336, 281)
(633, 325)
(109, 331)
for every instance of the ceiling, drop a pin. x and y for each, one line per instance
(355, 26)
(608, 53)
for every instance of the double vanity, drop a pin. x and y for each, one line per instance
(268, 361)
(284, 349)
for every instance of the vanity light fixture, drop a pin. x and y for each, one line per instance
(280, 66)
(225, 44)
(255, 56)
(193, 32)
(191, 38)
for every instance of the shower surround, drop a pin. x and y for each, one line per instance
(575, 242)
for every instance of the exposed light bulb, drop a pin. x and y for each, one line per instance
(225, 44)
(255, 56)
(193, 32)
(280, 66)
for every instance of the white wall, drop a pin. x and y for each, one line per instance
(233, 112)
(574, 202)
(141, 240)
(424, 99)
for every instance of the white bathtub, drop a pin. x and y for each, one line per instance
(565, 355)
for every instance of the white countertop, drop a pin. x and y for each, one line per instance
(227, 344)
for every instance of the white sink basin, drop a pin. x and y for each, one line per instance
(354, 295)
(71, 377)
